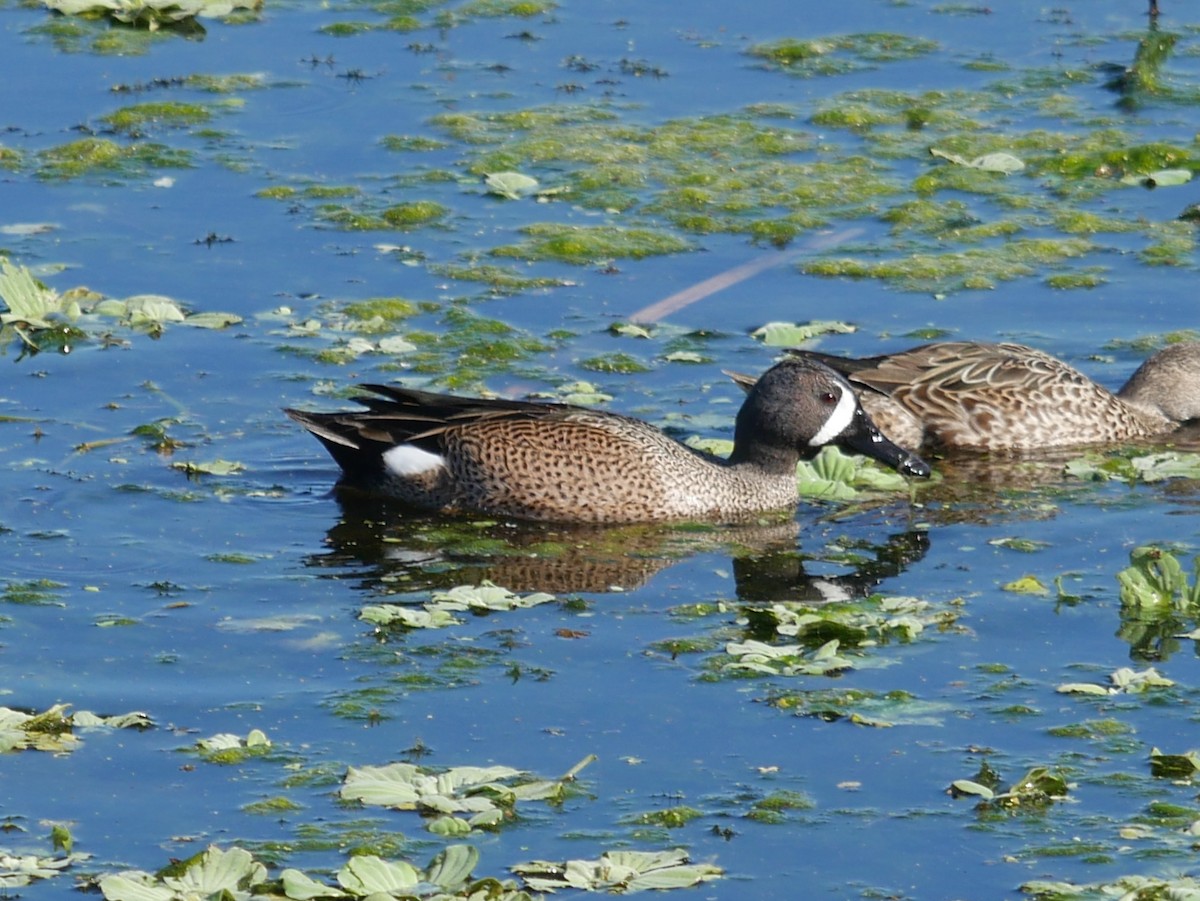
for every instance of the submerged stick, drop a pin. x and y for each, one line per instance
(719, 282)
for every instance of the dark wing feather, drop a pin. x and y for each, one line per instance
(358, 439)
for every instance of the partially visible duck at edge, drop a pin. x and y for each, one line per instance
(1008, 397)
(561, 463)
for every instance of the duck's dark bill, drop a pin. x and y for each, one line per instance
(864, 437)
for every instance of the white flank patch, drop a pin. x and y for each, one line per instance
(407, 460)
(838, 420)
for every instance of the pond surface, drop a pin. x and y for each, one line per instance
(320, 177)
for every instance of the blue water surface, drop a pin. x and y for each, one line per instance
(230, 603)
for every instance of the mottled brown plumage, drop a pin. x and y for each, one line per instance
(571, 464)
(1010, 397)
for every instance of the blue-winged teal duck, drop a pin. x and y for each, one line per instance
(571, 464)
(1011, 397)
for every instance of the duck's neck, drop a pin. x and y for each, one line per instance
(773, 460)
(752, 448)
(757, 445)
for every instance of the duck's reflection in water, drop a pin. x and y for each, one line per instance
(389, 550)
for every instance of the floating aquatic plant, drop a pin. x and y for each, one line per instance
(1132, 887)
(584, 245)
(235, 873)
(218, 467)
(760, 658)
(1037, 789)
(1000, 162)
(438, 612)
(458, 799)
(790, 334)
(859, 707)
(618, 872)
(839, 54)
(227, 748)
(18, 870)
(869, 621)
(101, 156)
(150, 14)
(1157, 467)
(1174, 766)
(53, 729)
(43, 318)
(1121, 681)
(1155, 581)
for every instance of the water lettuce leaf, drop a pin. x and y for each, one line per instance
(150, 14)
(1004, 163)
(618, 872)
(790, 334)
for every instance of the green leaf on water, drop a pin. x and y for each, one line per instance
(150, 14)
(215, 872)
(225, 748)
(407, 617)
(967, 787)
(452, 867)
(618, 872)
(85, 719)
(470, 796)
(1025, 545)
(31, 302)
(1174, 766)
(367, 874)
(1156, 467)
(753, 656)
(49, 730)
(1038, 788)
(1004, 163)
(210, 468)
(152, 310)
(438, 612)
(1163, 178)
(61, 838)
(629, 330)
(1155, 581)
(1082, 688)
(301, 887)
(134, 886)
(17, 870)
(212, 320)
(1121, 681)
(1027, 584)
(512, 185)
(791, 334)
(579, 393)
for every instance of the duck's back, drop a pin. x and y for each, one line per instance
(996, 397)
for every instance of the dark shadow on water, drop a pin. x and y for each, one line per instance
(775, 576)
(393, 551)
(982, 489)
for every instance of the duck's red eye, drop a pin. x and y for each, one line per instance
(829, 398)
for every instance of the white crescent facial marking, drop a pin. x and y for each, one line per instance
(407, 460)
(837, 421)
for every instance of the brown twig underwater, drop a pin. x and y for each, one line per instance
(722, 280)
